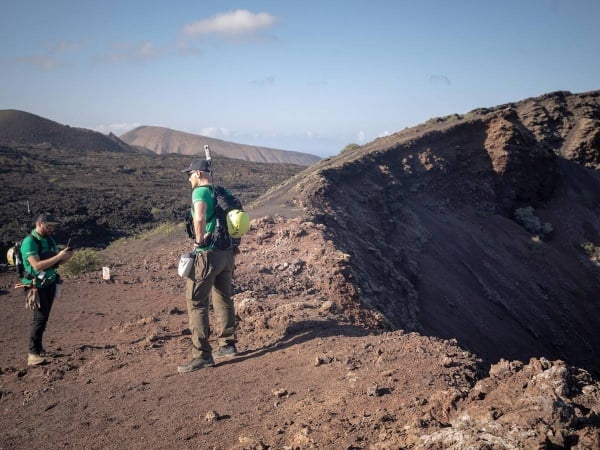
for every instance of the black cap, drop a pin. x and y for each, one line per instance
(47, 218)
(200, 164)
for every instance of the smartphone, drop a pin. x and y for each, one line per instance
(69, 246)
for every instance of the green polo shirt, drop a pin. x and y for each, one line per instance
(47, 248)
(204, 194)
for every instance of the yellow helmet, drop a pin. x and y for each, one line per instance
(10, 256)
(238, 223)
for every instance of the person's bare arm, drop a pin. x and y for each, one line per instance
(199, 220)
(43, 264)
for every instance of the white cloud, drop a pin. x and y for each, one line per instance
(43, 62)
(147, 50)
(361, 136)
(116, 128)
(383, 134)
(65, 46)
(128, 52)
(215, 132)
(234, 23)
(53, 55)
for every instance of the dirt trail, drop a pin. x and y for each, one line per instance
(306, 377)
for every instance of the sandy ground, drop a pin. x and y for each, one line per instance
(305, 377)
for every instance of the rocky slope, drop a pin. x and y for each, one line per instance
(483, 227)
(164, 140)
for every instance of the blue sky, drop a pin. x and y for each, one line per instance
(309, 76)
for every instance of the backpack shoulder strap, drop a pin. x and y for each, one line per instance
(38, 244)
(213, 189)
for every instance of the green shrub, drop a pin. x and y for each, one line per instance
(532, 223)
(448, 118)
(120, 241)
(349, 147)
(166, 228)
(84, 260)
(528, 219)
(547, 229)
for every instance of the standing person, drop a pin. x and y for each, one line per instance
(41, 258)
(212, 273)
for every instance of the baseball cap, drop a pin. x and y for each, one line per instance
(47, 218)
(200, 164)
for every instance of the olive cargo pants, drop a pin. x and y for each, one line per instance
(211, 277)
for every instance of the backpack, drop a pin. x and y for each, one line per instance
(224, 204)
(17, 259)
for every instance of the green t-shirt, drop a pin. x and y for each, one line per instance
(204, 194)
(47, 248)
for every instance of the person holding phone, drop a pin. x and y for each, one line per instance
(41, 258)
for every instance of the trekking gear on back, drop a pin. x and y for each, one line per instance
(10, 256)
(16, 259)
(228, 232)
(238, 223)
(232, 222)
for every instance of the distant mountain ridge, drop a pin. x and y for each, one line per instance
(165, 140)
(21, 127)
(25, 128)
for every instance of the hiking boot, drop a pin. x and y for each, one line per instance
(226, 351)
(34, 359)
(196, 364)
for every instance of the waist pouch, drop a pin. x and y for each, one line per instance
(186, 263)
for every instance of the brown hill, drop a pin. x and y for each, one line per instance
(20, 127)
(164, 140)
